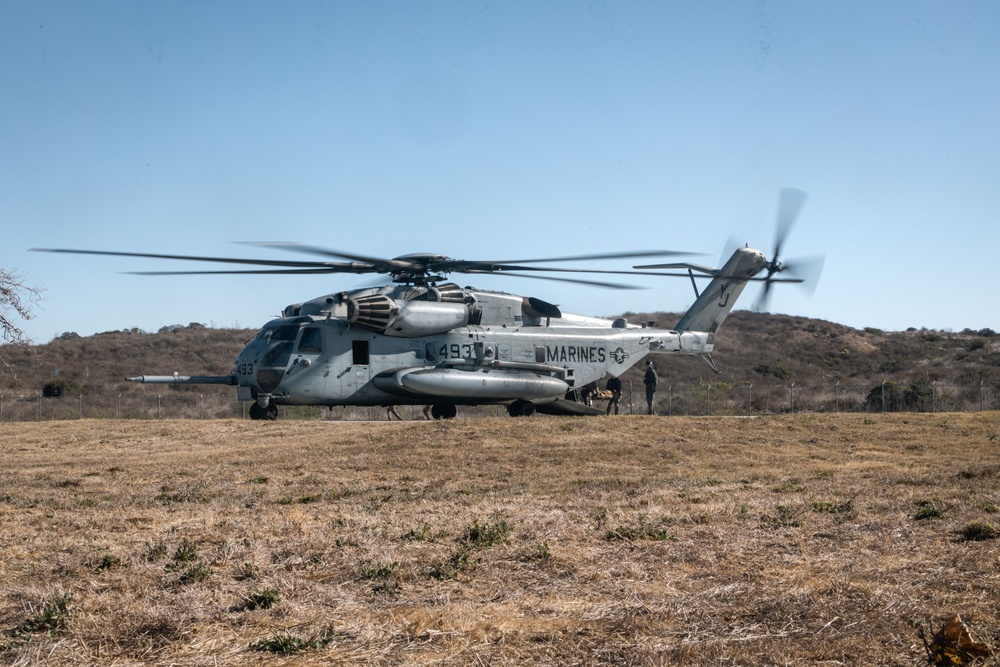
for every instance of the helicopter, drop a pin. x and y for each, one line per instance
(424, 340)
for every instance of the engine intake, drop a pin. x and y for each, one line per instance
(406, 319)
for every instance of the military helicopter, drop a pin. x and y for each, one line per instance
(423, 340)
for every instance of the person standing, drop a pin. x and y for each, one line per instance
(649, 379)
(614, 385)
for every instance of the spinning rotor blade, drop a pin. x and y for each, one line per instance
(236, 272)
(790, 203)
(611, 255)
(578, 281)
(807, 271)
(408, 268)
(326, 252)
(439, 263)
(194, 258)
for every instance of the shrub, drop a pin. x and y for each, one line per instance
(53, 616)
(886, 397)
(978, 532)
(264, 598)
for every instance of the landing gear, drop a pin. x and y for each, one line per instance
(521, 408)
(444, 411)
(270, 413)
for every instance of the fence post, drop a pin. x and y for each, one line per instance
(709, 402)
(201, 406)
(119, 406)
(791, 397)
(158, 396)
(81, 406)
(750, 400)
(883, 395)
(837, 400)
(982, 403)
(934, 396)
(38, 415)
(670, 400)
(1, 407)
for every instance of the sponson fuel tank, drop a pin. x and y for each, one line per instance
(477, 384)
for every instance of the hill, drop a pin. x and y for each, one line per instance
(769, 352)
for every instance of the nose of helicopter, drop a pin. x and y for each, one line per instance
(259, 365)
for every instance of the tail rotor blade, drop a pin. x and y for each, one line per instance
(790, 203)
(809, 269)
(763, 301)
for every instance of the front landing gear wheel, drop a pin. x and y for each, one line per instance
(521, 408)
(270, 413)
(444, 411)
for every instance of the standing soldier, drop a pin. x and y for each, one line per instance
(649, 379)
(615, 387)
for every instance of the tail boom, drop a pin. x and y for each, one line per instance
(712, 306)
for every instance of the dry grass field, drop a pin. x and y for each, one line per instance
(804, 539)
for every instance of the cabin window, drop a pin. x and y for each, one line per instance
(540, 354)
(311, 341)
(359, 349)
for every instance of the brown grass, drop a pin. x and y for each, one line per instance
(641, 541)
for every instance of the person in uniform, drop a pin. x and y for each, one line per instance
(649, 379)
(614, 385)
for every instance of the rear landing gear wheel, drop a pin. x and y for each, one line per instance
(521, 408)
(444, 411)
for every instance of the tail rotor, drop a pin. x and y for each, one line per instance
(804, 271)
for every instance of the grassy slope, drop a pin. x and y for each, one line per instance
(684, 541)
(752, 348)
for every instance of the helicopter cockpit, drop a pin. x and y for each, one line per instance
(268, 354)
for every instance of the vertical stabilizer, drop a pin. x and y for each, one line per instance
(718, 298)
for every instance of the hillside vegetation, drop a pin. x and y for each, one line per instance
(752, 348)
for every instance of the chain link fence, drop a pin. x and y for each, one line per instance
(763, 399)
(719, 399)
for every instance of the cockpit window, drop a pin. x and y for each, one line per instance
(311, 341)
(264, 334)
(285, 332)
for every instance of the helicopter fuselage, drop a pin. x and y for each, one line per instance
(444, 345)
(323, 359)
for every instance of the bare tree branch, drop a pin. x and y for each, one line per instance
(16, 300)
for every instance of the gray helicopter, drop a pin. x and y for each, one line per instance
(423, 340)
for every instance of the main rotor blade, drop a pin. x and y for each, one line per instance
(578, 281)
(193, 258)
(583, 258)
(327, 252)
(453, 264)
(790, 202)
(326, 270)
(680, 265)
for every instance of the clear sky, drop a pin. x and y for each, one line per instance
(499, 131)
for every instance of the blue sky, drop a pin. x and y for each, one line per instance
(499, 131)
